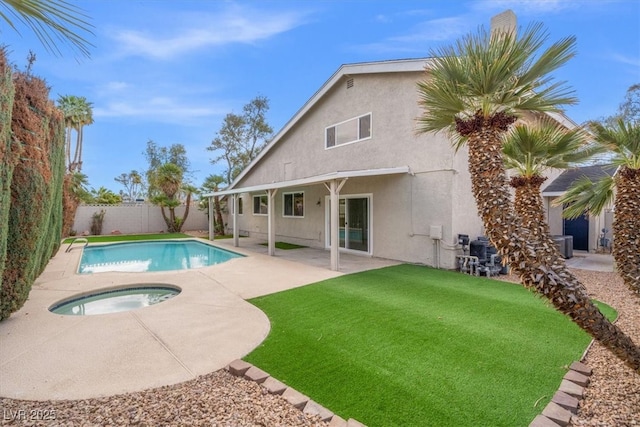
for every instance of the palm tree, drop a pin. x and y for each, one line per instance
(167, 179)
(212, 183)
(475, 90)
(77, 114)
(529, 150)
(51, 21)
(623, 141)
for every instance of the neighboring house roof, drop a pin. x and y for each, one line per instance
(564, 181)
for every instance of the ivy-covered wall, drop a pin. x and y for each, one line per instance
(32, 183)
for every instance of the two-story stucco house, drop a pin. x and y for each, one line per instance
(349, 172)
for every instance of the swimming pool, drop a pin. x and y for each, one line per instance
(157, 255)
(115, 300)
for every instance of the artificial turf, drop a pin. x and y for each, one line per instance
(128, 237)
(285, 246)
(414, 346)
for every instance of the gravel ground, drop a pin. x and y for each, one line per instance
(216, 399)
(612, 399)
(220, 399)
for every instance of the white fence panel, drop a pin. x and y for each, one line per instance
(135, 218)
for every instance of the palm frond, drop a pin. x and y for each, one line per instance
(586, 196)
(534, 147)
(622, 139)
(493, 73)
(52, 21)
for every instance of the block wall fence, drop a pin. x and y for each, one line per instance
(135, 218)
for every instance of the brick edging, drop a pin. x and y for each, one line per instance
(564, 404)
(246, 370)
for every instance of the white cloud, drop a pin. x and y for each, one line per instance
(528, 6)
(236, 25)
(421, 36)
(157, 109)
(626, 59)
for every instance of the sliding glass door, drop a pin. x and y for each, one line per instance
(354, 222)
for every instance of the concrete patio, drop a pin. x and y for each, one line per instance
(209, 324)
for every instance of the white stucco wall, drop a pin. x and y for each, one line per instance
(437, 193)
(138, 218)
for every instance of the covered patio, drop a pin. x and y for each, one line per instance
(333, 182)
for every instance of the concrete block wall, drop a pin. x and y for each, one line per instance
(135, 218)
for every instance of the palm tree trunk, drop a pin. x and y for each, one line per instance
(626, 227)
(504, 229)
(528, 207)
(186, 213)
(219, 227)
(80, 138)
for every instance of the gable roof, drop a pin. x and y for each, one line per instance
(360, 68)
(564, 181)
(391, 66)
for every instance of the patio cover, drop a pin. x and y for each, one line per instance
(333, 181)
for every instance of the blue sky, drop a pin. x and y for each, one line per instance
(170, 70)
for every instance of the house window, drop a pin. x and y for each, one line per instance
(239, 205)
(260, 205)
(352, 130)
(293, 204)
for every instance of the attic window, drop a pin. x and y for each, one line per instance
(349, 83)
(348, 131)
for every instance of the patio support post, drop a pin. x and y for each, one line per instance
(236, 237)
(334, 190)
(271, 229)
(212, 216)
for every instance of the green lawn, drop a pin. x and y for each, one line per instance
(285, 246)
(413, 346)
(128, 237)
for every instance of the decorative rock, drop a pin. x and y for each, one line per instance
(557, 414)
(577, 377)
(296, 398)
(238, 367)
(581, 368)
(354, 423)
(256, 374)
(337, 421)
(542, 421)
(313, 408)
(274, 386)
(572, 388)
(568, 402)
(116, 232)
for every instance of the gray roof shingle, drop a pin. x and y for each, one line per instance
(568, 177)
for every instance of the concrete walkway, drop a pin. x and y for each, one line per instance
(209, 324)
(590, 261)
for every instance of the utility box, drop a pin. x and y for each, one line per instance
(435, 232)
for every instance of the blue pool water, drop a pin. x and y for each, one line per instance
(115, 301)
(160, 255)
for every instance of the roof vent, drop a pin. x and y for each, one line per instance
(349, 83)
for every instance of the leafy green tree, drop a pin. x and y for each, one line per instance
(51, 20)
(242, 137)
(133, 184)
(78, 113)
(157, 156)
(628, 110)
(622, 140)
(475, 90)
